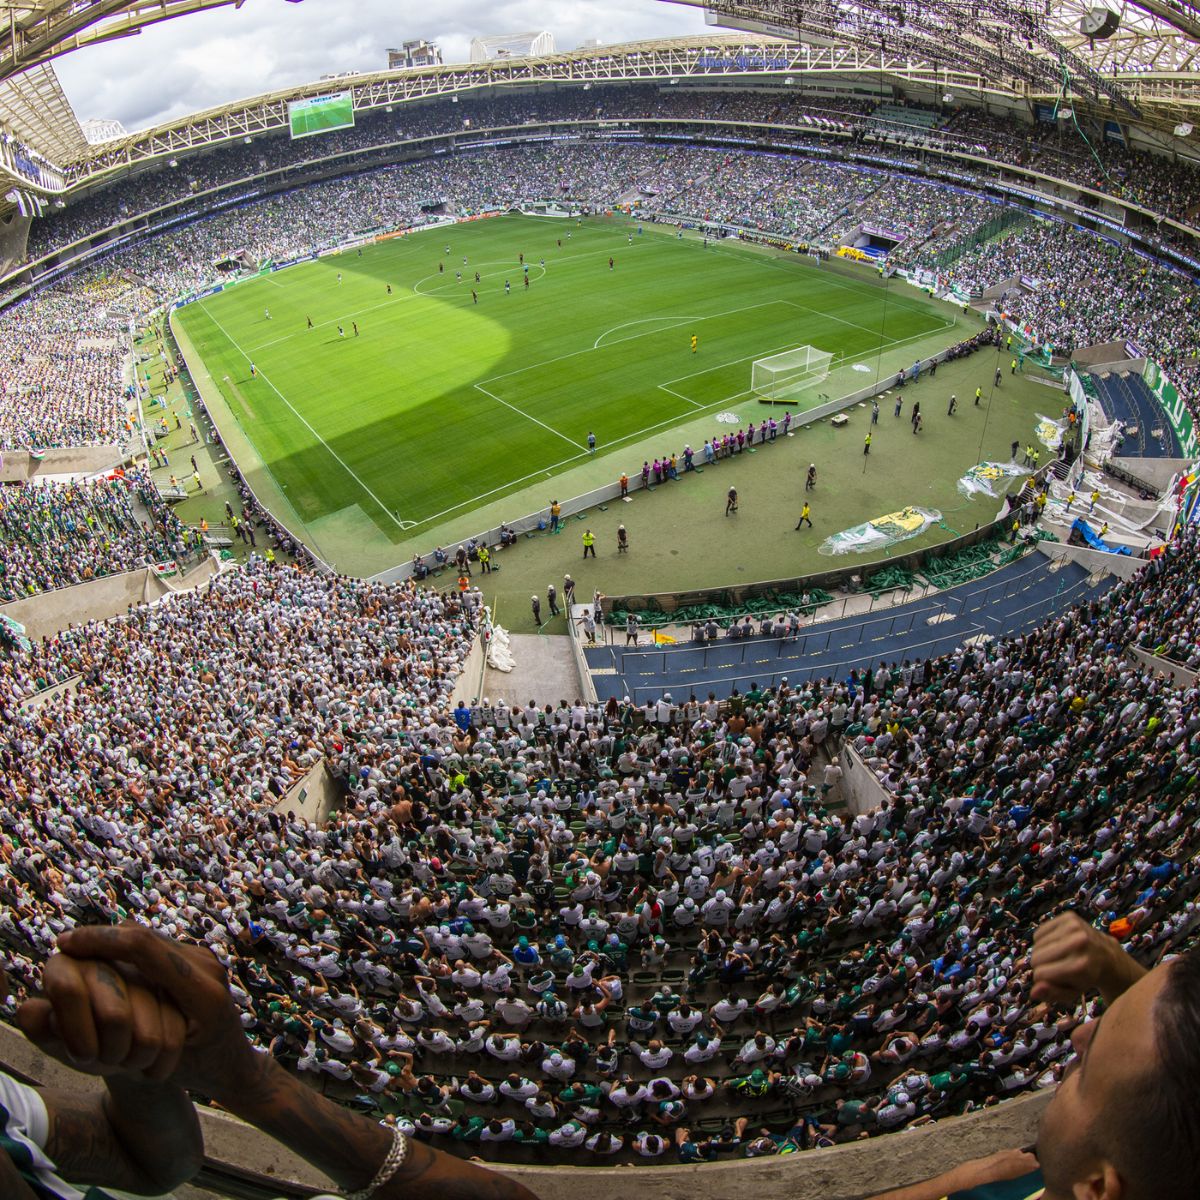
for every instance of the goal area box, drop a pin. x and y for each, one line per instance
(784, 378)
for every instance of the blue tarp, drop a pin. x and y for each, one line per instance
(1086, 532)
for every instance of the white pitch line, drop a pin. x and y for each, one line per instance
(591, 349)
(630, 437)
(322, 324)
(662, 387)
(300, 417)
(521, 412)
(865, 289)
(661, 323)
(515, 269)
(503, 487)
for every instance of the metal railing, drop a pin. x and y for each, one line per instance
(797, 673)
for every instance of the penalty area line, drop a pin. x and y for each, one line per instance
(303, 421)
(522, 413)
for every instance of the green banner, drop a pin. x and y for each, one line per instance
(1173, 405)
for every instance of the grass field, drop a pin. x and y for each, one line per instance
(441, 404)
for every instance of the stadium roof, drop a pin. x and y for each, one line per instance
(35, 31)
(35, 108)
(1144, 66)
(1041, 43)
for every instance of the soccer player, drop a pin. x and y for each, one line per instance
(458, 277)
(389, 289)
(526, 282)
(507, 287)
(310, 324)
(267, 313)
(810, 481)
(474, 296)
(339, 277)
(476, 276)
(695, 343)
(354, 324)
(591, 442)
(253, 370)
(341, 332)
(611, 263)
(441, 268)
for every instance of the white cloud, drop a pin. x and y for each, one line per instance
(200, 61)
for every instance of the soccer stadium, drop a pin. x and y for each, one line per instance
(621, 610)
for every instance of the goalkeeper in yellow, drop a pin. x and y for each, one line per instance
(695, 343)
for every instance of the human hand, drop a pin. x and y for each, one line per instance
(212, 1056)
(96, 1017)
(1071, 958)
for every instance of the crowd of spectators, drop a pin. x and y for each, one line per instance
(64, 355)
(67, 346)
(1087, 291)
(1167, 186)
(53, 535)
(636, 931)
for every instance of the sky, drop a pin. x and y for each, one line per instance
(197, 62)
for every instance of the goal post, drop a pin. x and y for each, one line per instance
(785, 376)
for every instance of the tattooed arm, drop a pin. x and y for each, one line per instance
(140, 1138)
(141, 1134)
(216, 1060)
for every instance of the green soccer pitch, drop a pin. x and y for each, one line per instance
(441, 403)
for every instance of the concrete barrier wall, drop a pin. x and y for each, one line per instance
(1179, 675)
(19, 465)
(49, 613)
(1103, 356)
(1123, 566)
(612, 491)
(42, 698)
(314, 797)
(470, 678)
(849, 1172)
(861, 789)
(1154, 474)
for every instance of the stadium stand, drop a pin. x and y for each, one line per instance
(1010, 601)
(612, 931)
(1125, 397)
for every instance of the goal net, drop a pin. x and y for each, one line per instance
(785, 376)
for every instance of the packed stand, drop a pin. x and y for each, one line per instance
(1088, 291)
(1156, 182)
(629, 932)
(53, 535)
(64, 354)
